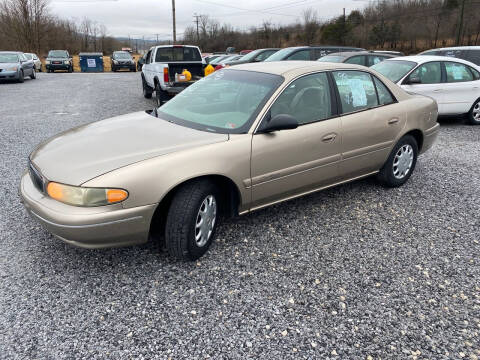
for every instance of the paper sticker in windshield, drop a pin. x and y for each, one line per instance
(359, 97)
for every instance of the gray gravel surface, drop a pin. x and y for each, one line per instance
(353, 272)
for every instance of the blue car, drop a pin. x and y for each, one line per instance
(15, 66)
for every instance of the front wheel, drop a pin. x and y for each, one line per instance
(192, 220)
(401, 162)
(70, 69)
(34, 75)
(21, 77)
(474, 114)
(147, 90)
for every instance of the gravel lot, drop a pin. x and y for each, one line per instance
(348, 273)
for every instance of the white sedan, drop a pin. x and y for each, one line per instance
(453, 83)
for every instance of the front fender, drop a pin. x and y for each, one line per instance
(149, 181)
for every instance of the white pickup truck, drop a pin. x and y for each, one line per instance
(161, 65)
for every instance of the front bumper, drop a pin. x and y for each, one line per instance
(124, 66)
(57, 66)
(93, 227)
(8, 75)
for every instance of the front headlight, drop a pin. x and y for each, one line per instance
(115, 61)
(12, 69)
(66, 62)
(84, 196)
(47, 62)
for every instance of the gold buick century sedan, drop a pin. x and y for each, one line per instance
(238, 140)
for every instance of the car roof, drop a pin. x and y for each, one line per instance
(456, 48)
(420, 59)
(355, 53)
(11, 52)
(293, 68)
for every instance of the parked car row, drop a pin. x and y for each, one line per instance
(16, 66)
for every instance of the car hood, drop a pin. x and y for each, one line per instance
(83, 153)
(58, 58)
(8, 65)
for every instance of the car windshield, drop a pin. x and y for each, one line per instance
(251, 55)
(29, 56)
(122, 56)
(8, 58)
(226, 101)
(57, 54)
(219, 59)
(281, 54)
(394, 69)
(332, 58)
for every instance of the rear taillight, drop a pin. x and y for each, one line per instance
(218, 67)
(165, 75)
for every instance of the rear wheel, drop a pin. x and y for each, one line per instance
(474, 114)
(161, 96)
(147, 90)
(34, 75)
(192, 220)
(401, 162)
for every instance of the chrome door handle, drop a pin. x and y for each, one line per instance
(437, 90)
(393, 121)
(329, 137)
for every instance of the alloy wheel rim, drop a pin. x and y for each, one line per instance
(403, 161)
(476, 111)
(205, 221)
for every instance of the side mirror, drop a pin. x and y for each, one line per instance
(279, 122)
(414, 80)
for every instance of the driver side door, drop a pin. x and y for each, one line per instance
(292, 162)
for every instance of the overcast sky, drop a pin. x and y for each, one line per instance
(150, 17)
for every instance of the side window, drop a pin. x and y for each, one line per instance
(375, 59)
(384, 95)
(264, 55)
(300, 55)
(429, 73)
(356, 90)
(307, 99)
(476, 74)
(359, 60)
(149, 57)
(457, 72)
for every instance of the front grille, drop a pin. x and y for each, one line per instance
(37, 178)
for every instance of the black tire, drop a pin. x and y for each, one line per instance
(182, 219)
(387, 174)
(161, 96)
(70, 69)
(34, 75)
(21, 77)
(147, 90)
(474, 113)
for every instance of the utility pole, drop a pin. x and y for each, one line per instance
(460, 23)
(344, 26)
(196, 21)
(174, 25)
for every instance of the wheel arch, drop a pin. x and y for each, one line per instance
(418, 136)
(230, 197)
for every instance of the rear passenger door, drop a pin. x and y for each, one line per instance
(371, 120)
(291, 162)
(461, 89)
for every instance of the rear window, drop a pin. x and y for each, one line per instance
(473, 56)
(182, 53)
